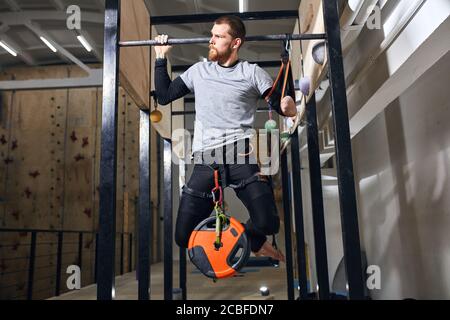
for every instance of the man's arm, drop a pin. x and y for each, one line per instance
(166, 89)
(285, 107)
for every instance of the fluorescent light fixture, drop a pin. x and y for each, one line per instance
(242, 6)
(5, 46)
(48, 44)
(85, 44)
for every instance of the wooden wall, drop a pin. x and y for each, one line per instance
(134, 61)
(49, 177)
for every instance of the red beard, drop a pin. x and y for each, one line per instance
(213, 54)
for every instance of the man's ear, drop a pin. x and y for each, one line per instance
(237, 43)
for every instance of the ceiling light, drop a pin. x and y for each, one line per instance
(241, 6)
(5, 46)
(85, 44)
(48, 44)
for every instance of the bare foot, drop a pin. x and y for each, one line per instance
(267, 250)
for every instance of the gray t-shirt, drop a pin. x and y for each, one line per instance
(225, 101)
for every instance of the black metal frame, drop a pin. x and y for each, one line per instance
(286, 186)
(210, 17)
(168, 221)
(346, 182)
(145, 212)
(298, 211)
(315, 177)
(108, 153)
(108, 160)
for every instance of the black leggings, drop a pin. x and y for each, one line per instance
(257, 197)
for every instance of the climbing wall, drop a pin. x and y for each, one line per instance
(49, 179)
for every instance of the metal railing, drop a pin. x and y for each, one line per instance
(30, 280)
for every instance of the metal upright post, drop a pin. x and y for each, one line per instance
(130, 252)
(168, 221)
(298, 211)
(108, 153)
(315, 177)
(31, 262)
(80, 250)
(145, 215)
(182, 271)
(346, 183)
(58, 263)
(121, 252)
(287, 224)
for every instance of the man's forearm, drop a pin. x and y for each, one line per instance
(166, 89)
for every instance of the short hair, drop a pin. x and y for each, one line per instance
(237, 27)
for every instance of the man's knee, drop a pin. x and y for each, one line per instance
(268, 224)
(182, 238)
(191, 211)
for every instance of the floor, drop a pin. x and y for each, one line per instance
(245, 285)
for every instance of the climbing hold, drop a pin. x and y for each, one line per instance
(155, 116)
(305, 85)
(270, 125)
(318, 52)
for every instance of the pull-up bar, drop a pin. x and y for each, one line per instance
(273, 37)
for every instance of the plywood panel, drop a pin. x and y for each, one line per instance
(311, 21)
(32, 177)
(78, 159)
(134, 61)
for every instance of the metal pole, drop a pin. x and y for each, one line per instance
(130, 252)
(58, 263)
(31, 265)
(272, 37)
(80, 250)
(108, 156)
(145, 221)
(315, 176)
(298, 210)
(287, 224)
(168, 228)
(96, 258)
(121, 252)
(346, 183)
(182, 272)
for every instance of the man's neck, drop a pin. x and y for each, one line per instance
(230, 61)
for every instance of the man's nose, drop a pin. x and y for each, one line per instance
(211, 40)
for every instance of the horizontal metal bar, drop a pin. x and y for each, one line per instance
(182, 113)
(211, 17)
(272, 37)
(50, 231)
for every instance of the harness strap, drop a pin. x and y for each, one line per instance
(256, 177)
(196, 193)
(207, 195)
